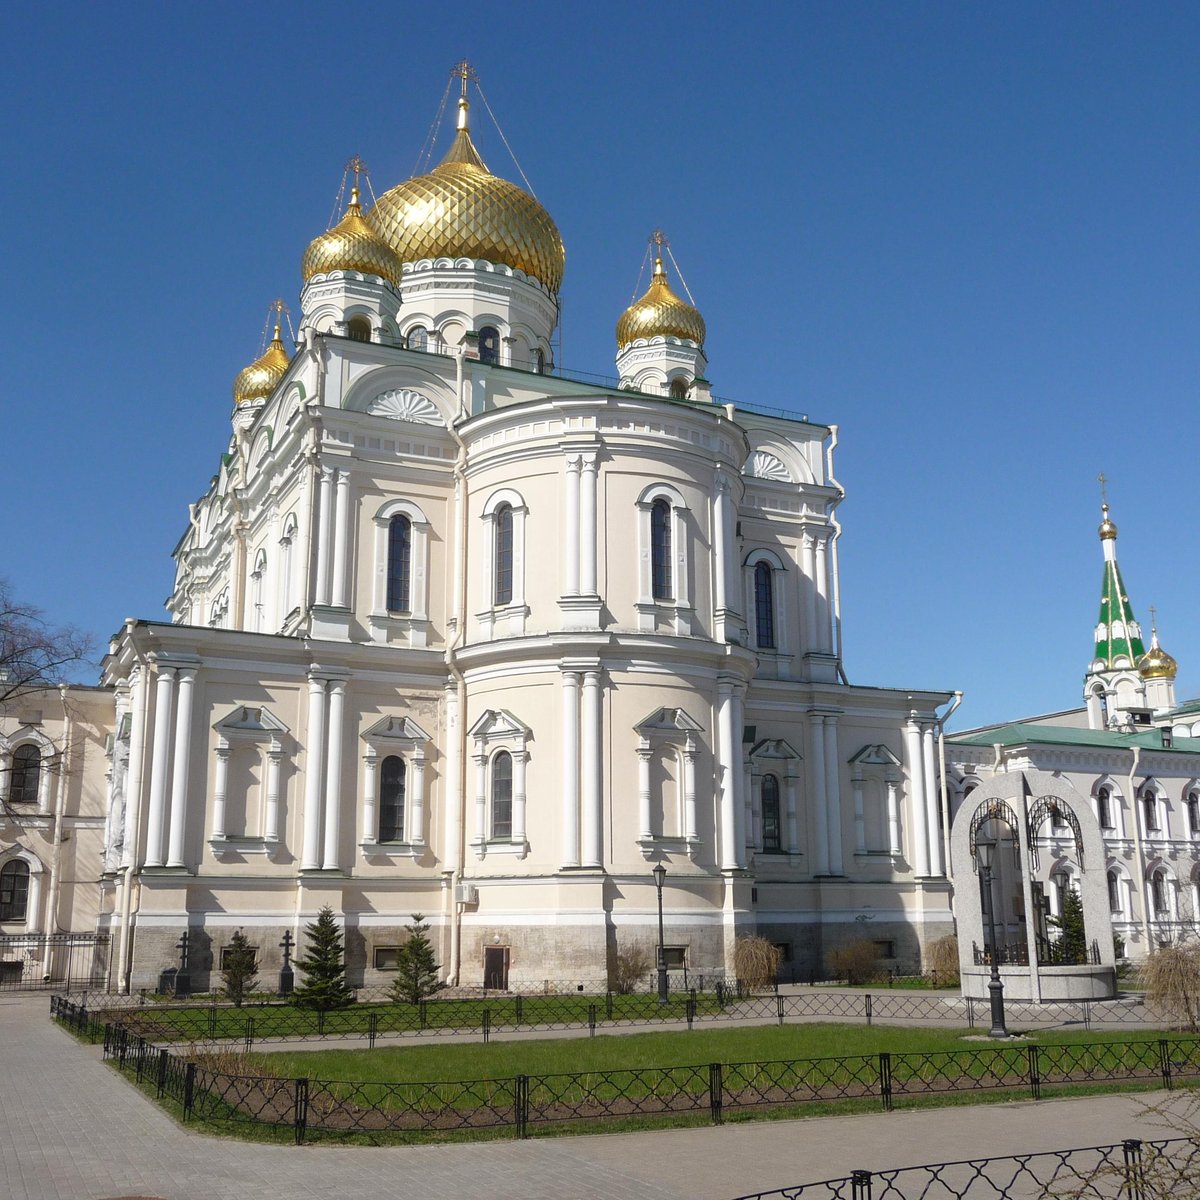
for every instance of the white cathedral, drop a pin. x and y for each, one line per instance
(452, 634)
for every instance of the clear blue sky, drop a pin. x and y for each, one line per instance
(967, 234)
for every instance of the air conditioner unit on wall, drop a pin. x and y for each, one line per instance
(466, 893)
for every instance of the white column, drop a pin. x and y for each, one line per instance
(645, 832)
(860, 817)
(452, 783)
(590, 835)
(33, 922)
(341, 539)
(370, 820)
(587, 531)
(689, 790)
(520, 760)
(808, 584)
(721, 519)
(164, 699)
(416, 829)
(919, 839)
(739, 771)
(333, 775)
(816, 766)
(727, 770)
(133, 777)
(314, 756)
(931, 802)
(570, 764)
(792, 824)
(893, 816)
(220, 787)
(481, 830)
(44, 773)
(824, 638)
(274, 762)
(324, 527)
(179, 778)
(571, 528)
(833, 790)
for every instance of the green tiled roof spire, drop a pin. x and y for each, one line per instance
(1118, 635)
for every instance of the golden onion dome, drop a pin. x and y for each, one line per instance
(1108, 531)
(259, 379)
(1156, 663)
(351, 245)
(660, 313)
(461, 210)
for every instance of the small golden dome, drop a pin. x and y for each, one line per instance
(461, 210)
(259, 379)
(660, 313)
(351, 245)
(1156, 663)
(1108, 531)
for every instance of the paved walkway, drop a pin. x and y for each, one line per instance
(73, 1130)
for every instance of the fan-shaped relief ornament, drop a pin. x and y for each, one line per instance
(762, 465)
(402, 405)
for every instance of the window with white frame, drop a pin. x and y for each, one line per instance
(766, 588)
(1150, 810)
(663, 551)
(502, 796)
(400, 601)
(26, 774)
(287, 565)
(399, 563)
(1114, 892)
(1159, 900)
(772, 823)
(501, 761)
(503, 578)
(14, 890)
(418, 338)
(1104, 807)
(393, 817)
(1193, 812)
(247, 781)
(258, 592)
(667, 749)
(219, 610)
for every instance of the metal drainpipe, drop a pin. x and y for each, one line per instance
(56, 856)
(1139, 849)
(945, 786)
(834, 565)
(137, 752)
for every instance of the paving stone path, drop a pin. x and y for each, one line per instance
(73, 1130)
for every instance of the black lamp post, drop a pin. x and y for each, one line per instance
(986, 848)
(660, 873)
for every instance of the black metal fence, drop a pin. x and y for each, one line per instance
(203, 1086)
(57, 961)
(1016, 954)
(493, 1015)
(1129, 1170)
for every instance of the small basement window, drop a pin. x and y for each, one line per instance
(227, 950)
(675, 957)
(885, 948)
(387, 958)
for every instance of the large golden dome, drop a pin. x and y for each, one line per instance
(351, 245)
(461, 210)
(660, 313)
(259, 379)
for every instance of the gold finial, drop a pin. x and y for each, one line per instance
(467, 74)
(278, 308)
(658, 240)
(359, 168)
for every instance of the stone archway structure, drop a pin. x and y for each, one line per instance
(1051, 823)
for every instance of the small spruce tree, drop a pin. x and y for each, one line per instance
(323, 967)
(416, 966)
(1072, 943)
(240, 969)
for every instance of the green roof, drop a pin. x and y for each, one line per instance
(1118, 637)
(1020, 734)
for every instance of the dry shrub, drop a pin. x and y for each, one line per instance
(943, 959)
(858, 961)
(1171, 977)
(755, 961)
(630, 965)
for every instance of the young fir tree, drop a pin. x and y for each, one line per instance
(1073, 941)
(239, 971)
(416, 966)
(323, 966)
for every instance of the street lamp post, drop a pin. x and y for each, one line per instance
(986, 847)
(660, 874)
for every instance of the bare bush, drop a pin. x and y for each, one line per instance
(630, 965)
(857, 961)
(1171, 977)
(755, 961)
(943, 959)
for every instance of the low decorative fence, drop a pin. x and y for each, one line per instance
(710, 1090)
(1129, 1170)
(53, 961)
(495, 1014)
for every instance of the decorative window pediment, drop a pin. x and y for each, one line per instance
(497, 724)
(875, 756)
(395, 730)
(774, 748)
(259, 724)
(402, 404)
(668, 721)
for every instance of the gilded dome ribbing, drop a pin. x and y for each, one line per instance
(660, 313)
(260, 378)
(461, 210)
(351, 245)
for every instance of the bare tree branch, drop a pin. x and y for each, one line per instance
(33, 653)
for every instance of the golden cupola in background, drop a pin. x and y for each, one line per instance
(660, 313)
(351, 245)
(262, 376)
(1156, 663)
(461, 210)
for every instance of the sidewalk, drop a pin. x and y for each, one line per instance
(73, 1130)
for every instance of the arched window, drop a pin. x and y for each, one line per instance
(1114, 892)
(391, 799)
(679, 389)
(1150, 807)
(359, 328)
(764, 607)
(539, 361)
(26, 775)
(14, 890)
(772, 836)
(1193, 811)
(502, 791)
(489, 344)
(399, 564)
(504, 555)
(1104, 807)
(660, 551)
(418, 338)
(1158, 892)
